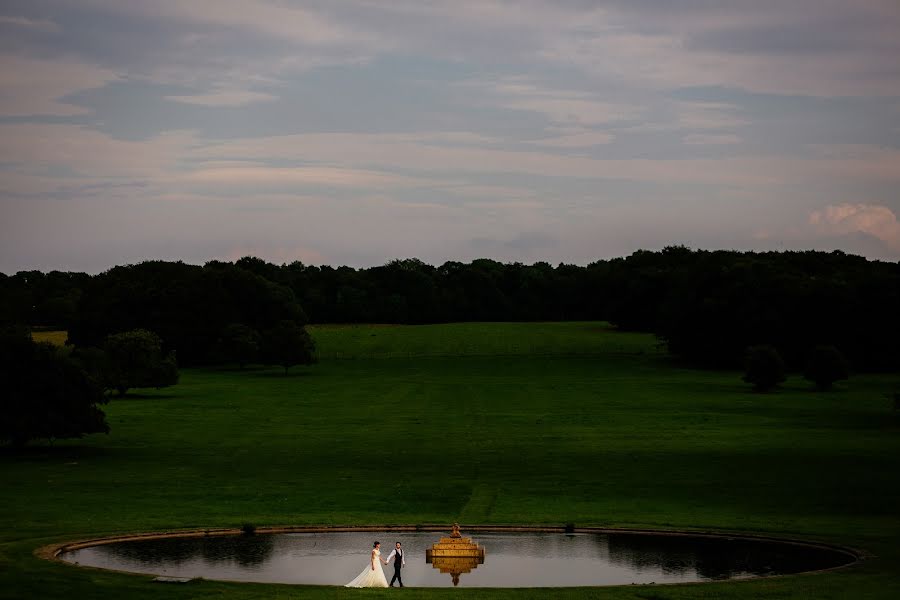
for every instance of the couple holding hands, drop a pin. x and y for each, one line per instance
(373, 574)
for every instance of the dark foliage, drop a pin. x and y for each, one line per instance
(239, 344)
(706, 306)
(46, 395)
(764, 368)
(134, 359)
(712, 305)
(186, 305)
(287, 344)
(825, 366)
(95, 363)
(33, 297)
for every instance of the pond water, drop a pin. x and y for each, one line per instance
(512, 559)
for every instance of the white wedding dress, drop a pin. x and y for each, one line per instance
(371, 577)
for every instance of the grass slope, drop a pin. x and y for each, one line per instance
(485, 423)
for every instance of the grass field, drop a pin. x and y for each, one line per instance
(478, 339)
(481, 423)
(54, 337)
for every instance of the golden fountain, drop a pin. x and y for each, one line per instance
(455, 555)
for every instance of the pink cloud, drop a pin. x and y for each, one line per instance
(842, 219)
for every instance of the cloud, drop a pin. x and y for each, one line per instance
(289, 21)
(224, 98)
(368, 129)
(37, 86)
(576, 140)
(561, 106)
(708, 115)
(861, 162)
(400, 152)
(795, 47)
(488, 192)
(704, 139)
(664, 45)
(39, 154)
(211, 46)
(34, 24)
(569, 110)
(263, 177)
(785, 47)
(843, 219)
(72, 151)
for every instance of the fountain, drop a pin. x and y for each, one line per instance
(455, 555)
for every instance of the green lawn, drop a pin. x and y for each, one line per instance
(477, 339)
(482, 423)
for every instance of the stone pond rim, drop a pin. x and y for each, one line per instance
(854, 555)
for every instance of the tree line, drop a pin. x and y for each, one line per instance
(214, 314)
(708, 307)
(131, 326)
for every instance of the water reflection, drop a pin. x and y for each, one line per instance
(515, 559)
(716, 558)
(245, 552)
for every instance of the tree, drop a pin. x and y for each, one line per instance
(136, 360)
(46, 394)
(239, 343)
(95, 363)
(765, 369)
(287, 345)
(188, 306)
(825, 366)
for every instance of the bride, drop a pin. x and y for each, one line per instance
(371, 577)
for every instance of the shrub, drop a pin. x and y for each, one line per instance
(46, 395)
(135, 360)
(287, 345)
(765, 368)
(825, 366)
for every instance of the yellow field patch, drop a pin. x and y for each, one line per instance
(57, 338)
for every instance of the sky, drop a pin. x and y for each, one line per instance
(354, 132)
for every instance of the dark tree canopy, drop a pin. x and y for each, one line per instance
(709, 306)
(826, 365)
(706, 306)
(287, 344)
(37, 298)
(186, 305)
(134, 359)
(46, 395)
(239, 344)
(765, 369)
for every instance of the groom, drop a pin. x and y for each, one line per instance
(399, 562)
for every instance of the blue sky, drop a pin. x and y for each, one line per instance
(359, 131)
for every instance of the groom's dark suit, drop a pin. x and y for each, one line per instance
(399, 563)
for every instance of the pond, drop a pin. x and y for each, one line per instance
(533, 559)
